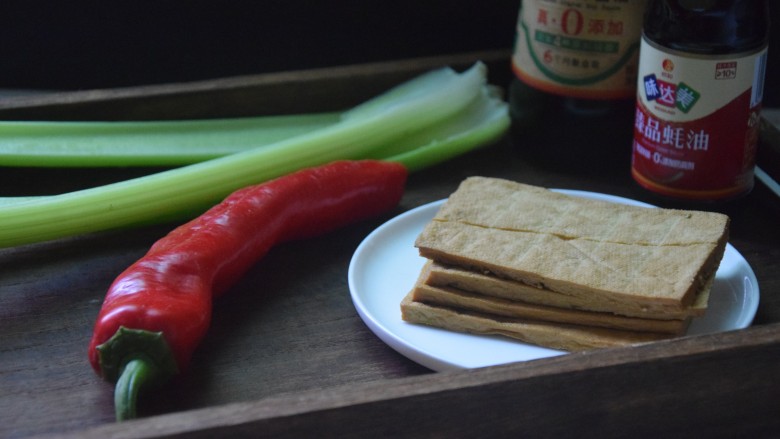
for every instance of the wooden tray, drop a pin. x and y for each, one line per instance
(288, 356)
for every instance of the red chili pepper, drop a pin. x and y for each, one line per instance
(157, 311)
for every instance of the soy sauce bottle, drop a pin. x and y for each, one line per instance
(574, 87)
(700, 86)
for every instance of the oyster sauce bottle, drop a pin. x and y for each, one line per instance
(700, 83)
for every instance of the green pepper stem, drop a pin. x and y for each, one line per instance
(136, 375)
(135, 359)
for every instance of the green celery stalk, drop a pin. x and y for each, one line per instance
(146, 143)
(422, 104)
(478, 125)
(8, 201)
(481, 124)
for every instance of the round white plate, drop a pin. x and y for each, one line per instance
(386, 265)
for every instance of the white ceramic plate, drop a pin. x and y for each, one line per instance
(386, 264)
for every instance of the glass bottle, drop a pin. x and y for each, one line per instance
(701, 75)
(573, 95)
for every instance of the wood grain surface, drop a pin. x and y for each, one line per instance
(288, 356)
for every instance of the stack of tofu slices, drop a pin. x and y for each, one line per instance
(562, 271)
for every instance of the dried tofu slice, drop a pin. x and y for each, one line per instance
(577, 246)
(465, 300)
(509, 205)
(440, 275)
(551, 335)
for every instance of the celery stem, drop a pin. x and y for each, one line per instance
(422, 122)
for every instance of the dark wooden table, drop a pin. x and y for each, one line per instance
(287, 354)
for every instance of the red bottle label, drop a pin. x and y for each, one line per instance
(696, 125)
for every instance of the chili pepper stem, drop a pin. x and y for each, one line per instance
(137, 374)
(135, 359)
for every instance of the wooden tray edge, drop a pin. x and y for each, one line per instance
(718, 385)
(240, 95)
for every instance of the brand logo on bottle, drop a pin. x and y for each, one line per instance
(680, 96)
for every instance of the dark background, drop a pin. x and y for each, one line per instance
(114, 43)
(68, 45)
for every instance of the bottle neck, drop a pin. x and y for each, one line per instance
(708, 27)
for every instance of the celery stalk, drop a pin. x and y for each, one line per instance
(414, 115)
(8, 201)
(146, 143)
(481, 124)
(478, 125)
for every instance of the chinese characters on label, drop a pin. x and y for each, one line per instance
(581, 37)
(667, 134)
(680, 96)
(572, 22)
(581, 49)
(726, 70)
